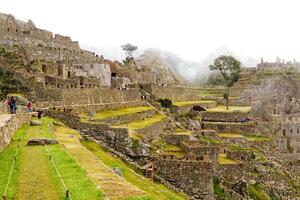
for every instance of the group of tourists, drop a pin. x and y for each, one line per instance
(12, 103)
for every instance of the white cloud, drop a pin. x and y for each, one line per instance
(190, 28)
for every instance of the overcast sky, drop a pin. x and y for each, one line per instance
(189, 28)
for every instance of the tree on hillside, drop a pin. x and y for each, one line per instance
(129, 49)
(230, 69)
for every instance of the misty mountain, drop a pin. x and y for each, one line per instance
(192, 71)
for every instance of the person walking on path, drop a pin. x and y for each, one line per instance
(13, 105)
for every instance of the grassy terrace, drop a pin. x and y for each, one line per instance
(259, 157)
(180, 131)
(34, 176)
(142, 123)
(186, 103)
(252, 138)
(153, 190)
(232, 109)
(211, 92)
(223, 160)
(123, 111)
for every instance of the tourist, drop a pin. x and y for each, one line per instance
(9, 103)
(13, 105)
(29, 107)
(40, 113)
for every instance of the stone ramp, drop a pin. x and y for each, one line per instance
(114, 186)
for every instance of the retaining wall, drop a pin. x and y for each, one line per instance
(10, 126)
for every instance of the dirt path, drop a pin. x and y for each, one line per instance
(114, 186)
(35, 172)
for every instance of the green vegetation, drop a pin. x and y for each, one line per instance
(33, 164)
(257, 193)
(181, 131)
(218, 189)
(230, 135)
(223, 160)
(9, 83)
(258, 138)
(231, 109)
(153, 190)
(166, 103)
(169, 149)
(142, 123)
(186, 103)
(259, 157)
(230, 69)
(123, 111)
(211, 92)
(210, 140)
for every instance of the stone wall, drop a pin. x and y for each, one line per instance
(224, 117)
(10, 126)
(226, 127)
(185, 109)
(83, 96)
(172, 93)
(153, 131)
(199, 149)
(175, 139)
(193, 177)
(122, 119)
(116, 138)
(240, 155)
(232, 172)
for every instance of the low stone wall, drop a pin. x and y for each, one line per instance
(231, 172)
(84, 96)
(99, 95)
(196, 148)
(121, 119)
(9, 127)
(226, 127)
(193, 177)
(175, 139)
(240, 155)
(185, 109)
(90, 107)
(224, 117)
(153, 131)
(233, 102)
(173, 93)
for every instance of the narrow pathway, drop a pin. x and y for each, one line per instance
(35, 171)
(114, 186)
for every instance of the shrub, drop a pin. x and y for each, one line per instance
(166, 103)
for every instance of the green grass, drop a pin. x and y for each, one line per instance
(142, 123)
(75, 178)
(6, 159)
(35, 177)
(223, 160)
(154, 190)
(180, 131)
(186, 103)
(123, 111)
(230, 135)
(257, 193)
(258, 138)
(259, 157)
(218, 189)
(231, 109)
(210, 140)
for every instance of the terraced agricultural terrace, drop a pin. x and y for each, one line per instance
(90, 128)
